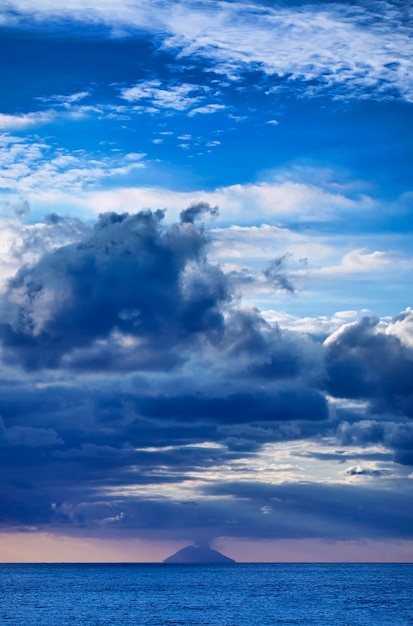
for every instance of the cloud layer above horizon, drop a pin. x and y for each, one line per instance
(139, 395)
(205, 323)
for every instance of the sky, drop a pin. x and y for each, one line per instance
(205, 279)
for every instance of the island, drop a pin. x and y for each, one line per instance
(197, 555)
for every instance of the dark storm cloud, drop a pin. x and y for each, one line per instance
(27, 436)
(129, 275)
(292, 404)
(398, 436)
(142, 371)
(134, 295)
(322, 510)
(108, 439)
(369, 362)
(254, 510)
(365, 362)
(342, 456)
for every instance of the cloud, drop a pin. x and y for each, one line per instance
(360, 261)
(401, 326)
(274, 273)
(348, 51)
(178, 97)
(317, 510)
(345, 50)
(320, 327)
(287, 404)
(66, 108)
(81, 293)
(395, 435)
(66, 100)
(193, 212)
(359, 470)
(133, 380)
(24, 243)
(133, 377)
(240, 204)
(25, 120)
(28, 436)
(366, 361)
(29, 165)
(207, 109)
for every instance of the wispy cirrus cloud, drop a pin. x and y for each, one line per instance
(348, 50)
(67, 111)
(66, 100)
(66, 106)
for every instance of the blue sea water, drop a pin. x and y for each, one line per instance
(218, 595)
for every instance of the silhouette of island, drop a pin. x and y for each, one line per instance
(197, 555)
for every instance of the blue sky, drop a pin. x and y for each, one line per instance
(205, 263)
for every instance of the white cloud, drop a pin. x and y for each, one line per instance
(240, 204)
(349, 48)
(360, 261)
(402, 327)
(135, 156)
(322, 325)
(207, 109)
(24, 243)
(28, 166)
(255, 247)
(65, 100)
(354, 50)
(177, 97)
(324, 268)
(25, 120)
(68, 110)
(51, 174)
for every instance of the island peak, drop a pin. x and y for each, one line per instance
(198, 554)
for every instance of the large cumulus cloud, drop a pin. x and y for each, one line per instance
(369, 362)
(131, 370)
(126, 276)
(372, 362)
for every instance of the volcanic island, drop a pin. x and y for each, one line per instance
(198, 555)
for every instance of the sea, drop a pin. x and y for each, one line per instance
(195, 595)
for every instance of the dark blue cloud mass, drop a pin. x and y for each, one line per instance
(364, 362)
(129, 366)
(171, 370)
(127, 275)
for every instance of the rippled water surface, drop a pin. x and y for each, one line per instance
(231, 595)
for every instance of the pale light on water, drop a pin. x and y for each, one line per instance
(214, 595)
